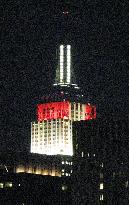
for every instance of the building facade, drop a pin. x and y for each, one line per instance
(31, 189)
(101, 163)
(30, 163)
(27, 178)
(51, 134)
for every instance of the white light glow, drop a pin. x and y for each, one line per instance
(82, 154)
(8, 184)
(64, 187)
(61, 62)
(68, 63)
(1, 185)
(101, 197)
(6, 168)
(101, 186)
(68, 47)
(58, 143)
(64, 85)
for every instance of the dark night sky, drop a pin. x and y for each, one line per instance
(30, 33)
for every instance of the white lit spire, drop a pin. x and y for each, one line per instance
(64, 74)
(61, 63)
(68, 64)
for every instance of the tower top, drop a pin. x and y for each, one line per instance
(64, 71)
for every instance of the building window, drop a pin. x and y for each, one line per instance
(8, 184)
(64, 188)
(101, 197)
(101, 186)
(82, 154)
(1, 185)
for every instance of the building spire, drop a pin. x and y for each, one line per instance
(64, 71)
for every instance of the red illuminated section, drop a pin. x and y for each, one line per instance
(90, 112)
(53, 110)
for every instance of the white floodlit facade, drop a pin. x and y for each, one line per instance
(52, 137)
(64, 74)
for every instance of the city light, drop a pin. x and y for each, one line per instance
(68, 63)
(61, 63)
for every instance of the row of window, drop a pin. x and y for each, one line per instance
(6, 185)
(54, 142)
(66, 174)
(50, 126)
(54, 122)
(67, 162)
(36, 139)
(50, 132)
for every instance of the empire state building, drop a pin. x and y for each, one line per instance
(51, 133)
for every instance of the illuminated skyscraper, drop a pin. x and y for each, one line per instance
(51, 134)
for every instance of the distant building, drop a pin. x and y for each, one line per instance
(31, 163)
(27, 178)
(51, 134)
(34, 189)
(101, 162)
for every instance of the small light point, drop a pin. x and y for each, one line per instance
(65, 12)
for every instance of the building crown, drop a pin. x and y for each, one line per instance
(64, 71)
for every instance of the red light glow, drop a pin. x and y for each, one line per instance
(53, 110)
(90, 112)
(61, 110)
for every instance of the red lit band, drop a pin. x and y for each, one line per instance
(90, 112)
(53, 110)
(60, 110)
